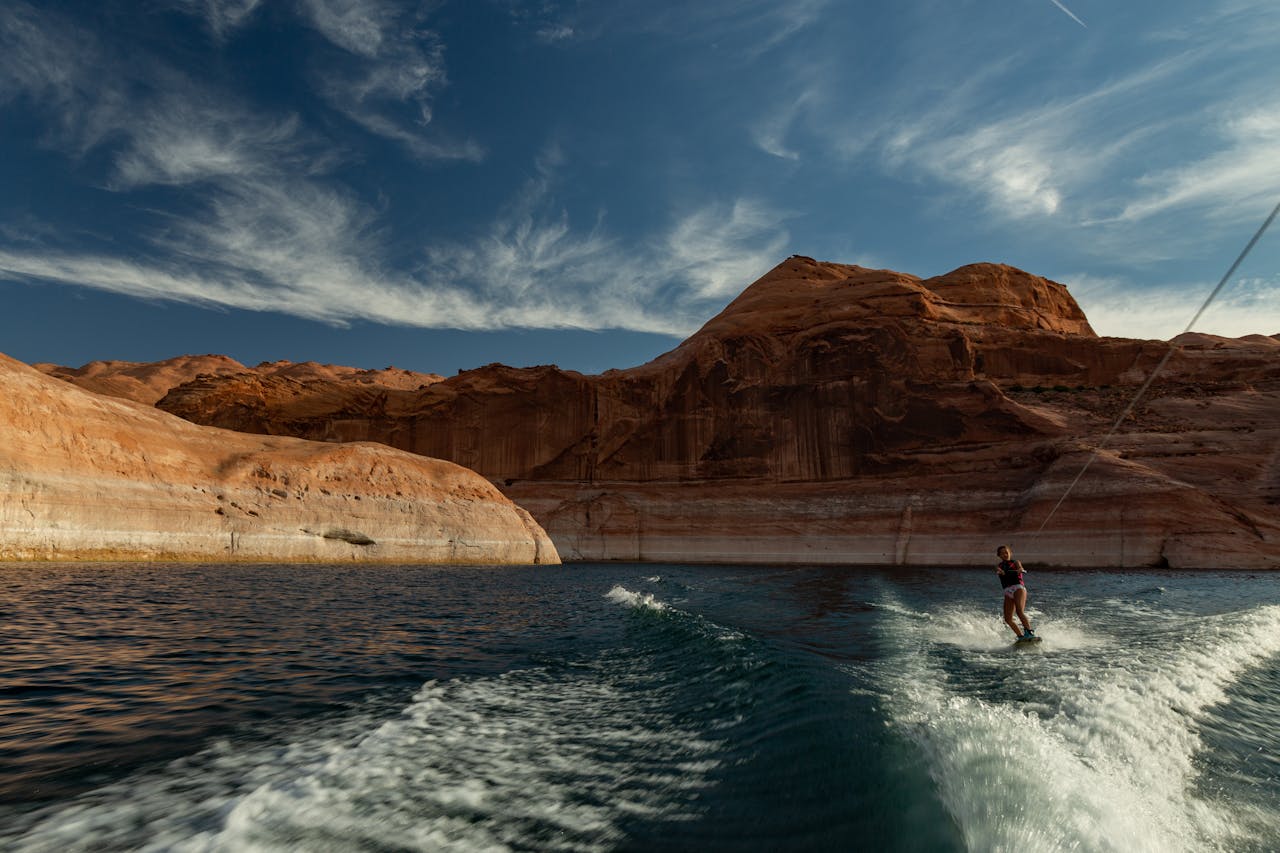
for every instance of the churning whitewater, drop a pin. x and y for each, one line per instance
(609, 707)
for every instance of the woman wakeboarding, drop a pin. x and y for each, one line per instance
(1015, 593)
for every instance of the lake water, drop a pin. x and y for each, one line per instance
(634, 707)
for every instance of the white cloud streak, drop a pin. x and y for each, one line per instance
(222, 16)
(363, 27)
(393, 64)
(272, 231)
(535, 269)
(718, 250)
(751, 27)
(304, 251)
(1071, 14)
(51, 63)
(1027, 162)
(180, 132)
(174, 143)
(770, 132)
(1235, 180)
(382, 72)
(552, 33)
(1084, 158)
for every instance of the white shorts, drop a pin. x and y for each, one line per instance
(1009, 591)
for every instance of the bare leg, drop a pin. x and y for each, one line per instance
(1020, 602)
(1008, 616)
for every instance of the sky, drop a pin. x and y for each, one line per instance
(441, 185)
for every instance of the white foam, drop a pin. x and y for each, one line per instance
(644, 600)
(895, 607)
(1065, 633)
(985, 631)
(1109, 763)
(555, 760)
(1143, 613)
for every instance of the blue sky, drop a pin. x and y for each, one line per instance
(438, 185)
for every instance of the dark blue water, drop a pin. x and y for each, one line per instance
(626, 707)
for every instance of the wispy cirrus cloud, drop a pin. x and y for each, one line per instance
(770, 132)
(1132, 145)
(267, 230)
(536, 269)
(1232, 182)
(171, 142)
(311, 253)
(222, 16)
(718, 249)
(271, 228)
(383, 68)
(752, 27)
(161, 125)
(1025, 162)
(39, 60)
(1120, 308)
(50, 62)
(361, 26)
(552, 33)
(392, 68)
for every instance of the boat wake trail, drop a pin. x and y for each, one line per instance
(1093, 749)
(585, 753)
(530, 757)
(562, 757)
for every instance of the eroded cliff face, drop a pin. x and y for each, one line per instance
(86, 476)
(833, 413)
(815, 373)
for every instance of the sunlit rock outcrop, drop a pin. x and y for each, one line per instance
(87, 476)
(833, 413)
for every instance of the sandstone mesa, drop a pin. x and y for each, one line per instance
(87, 476)
(837, 414)
(147, 382)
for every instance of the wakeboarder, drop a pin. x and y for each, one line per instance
(1015, 593)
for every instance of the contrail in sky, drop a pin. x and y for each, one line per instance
(1069, 12)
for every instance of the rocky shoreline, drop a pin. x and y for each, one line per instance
(89, 477)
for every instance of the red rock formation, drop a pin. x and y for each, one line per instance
(87, 476)
(838, 414)
(147, 382)
(143, 382)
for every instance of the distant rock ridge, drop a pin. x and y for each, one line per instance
(147, 382)
(84, 476)
(142, 382)
(833, 413)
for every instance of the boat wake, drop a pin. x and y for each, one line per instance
(569, 756)
(527, 758)
(1093, 750)
(554, 757)
(677, 719)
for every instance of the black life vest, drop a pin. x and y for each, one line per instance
(1011, 573)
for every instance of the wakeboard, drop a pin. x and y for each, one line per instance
(1026, 641)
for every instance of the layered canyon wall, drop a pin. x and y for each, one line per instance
(87, 476)
(838, 414)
